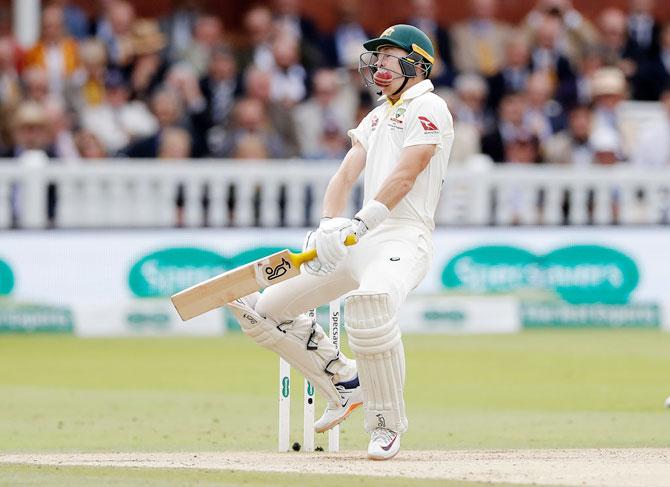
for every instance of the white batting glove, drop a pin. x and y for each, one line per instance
(328, 240)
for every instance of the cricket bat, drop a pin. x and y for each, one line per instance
(236, 283)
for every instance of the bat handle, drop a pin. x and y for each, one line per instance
(310, 254)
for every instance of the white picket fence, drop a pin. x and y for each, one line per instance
(218, 193)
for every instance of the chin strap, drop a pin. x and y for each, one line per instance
(402, 86)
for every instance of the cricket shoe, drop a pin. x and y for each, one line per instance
(351, 393)
(384, 444)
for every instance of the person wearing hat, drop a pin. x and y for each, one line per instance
(403, 146)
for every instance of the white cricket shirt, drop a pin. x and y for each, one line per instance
(418, 117)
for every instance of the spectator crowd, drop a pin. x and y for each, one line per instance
(106, 83)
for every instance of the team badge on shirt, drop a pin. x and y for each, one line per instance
(427, 125)
(373, 123)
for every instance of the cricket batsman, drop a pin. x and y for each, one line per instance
(403, 147)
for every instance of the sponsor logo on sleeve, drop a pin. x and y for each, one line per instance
(427, 125)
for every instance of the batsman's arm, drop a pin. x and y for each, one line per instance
(339, 187)
(413, 160)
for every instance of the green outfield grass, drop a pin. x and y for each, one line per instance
(534, 390)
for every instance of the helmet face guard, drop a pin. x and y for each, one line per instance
(368, 65)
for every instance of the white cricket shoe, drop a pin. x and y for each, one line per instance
(352, 397)
(384, 444)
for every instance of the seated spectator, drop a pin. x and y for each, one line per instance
(510, 128)
(88, 86)
(609, 90)
(175, 144)
(643, 31)
(60, 124)
(332, 144)
(577, 32)
(89, 146)
(10, 89)
(544, 115)
(36, 85)
(118, 121)
(571, 146)
(220, 85)
(479, 42)
(592, 60)
(250, 118)
(250, 147)
(547, 56)
(178, 26)
(346, 43)
(606, 146)
(323, 110)
(652, 147)
(259, 30)
(424, 17)
(289, 20)
(30, 131)
(168, 108)
(470, 106)
(208, 34)
(148, 68)
(522, 148)
(288, 76)
(74, 18)
(114, 29)
(56, 53)
(658, 70)
(257, 85)
(515, 71)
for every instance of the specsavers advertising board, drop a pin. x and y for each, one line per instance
(486, 280)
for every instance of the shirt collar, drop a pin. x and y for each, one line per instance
(418, 89)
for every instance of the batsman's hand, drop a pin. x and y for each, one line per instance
(328, 240)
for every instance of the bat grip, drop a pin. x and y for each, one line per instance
(310, 254)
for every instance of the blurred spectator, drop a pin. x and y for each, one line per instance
(544, 115)
(522, 148)
(609, 90)
(30, 130)
(149, 68)
(290, 21)
(479, 42)
(178, 26)
(60, 124)
(661, 65)
(288, 84)
(606, 145)
(75, 20)
(118, 121)
(591, 61)
(250, 146)
(221, 85)
(168, 108)
(576, 34)
(89, 146)
(208, 35)
(470, 107)
(55, 52)
(511, 127)
(424, 17)
(250, 119)
(643, 30)
(114, 28)
(258, 86)
(346, 43)
(195, 116)
(514, 74)
(322, 115)
(259, 31)
(571, 146)
(175, 144)
(652, 147)
(88, 86)
(547, 56)
(10, 88)
(36, 85)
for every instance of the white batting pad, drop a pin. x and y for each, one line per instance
(374, 337)
(301, 342)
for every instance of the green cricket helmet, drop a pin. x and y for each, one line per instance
(407, 37)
